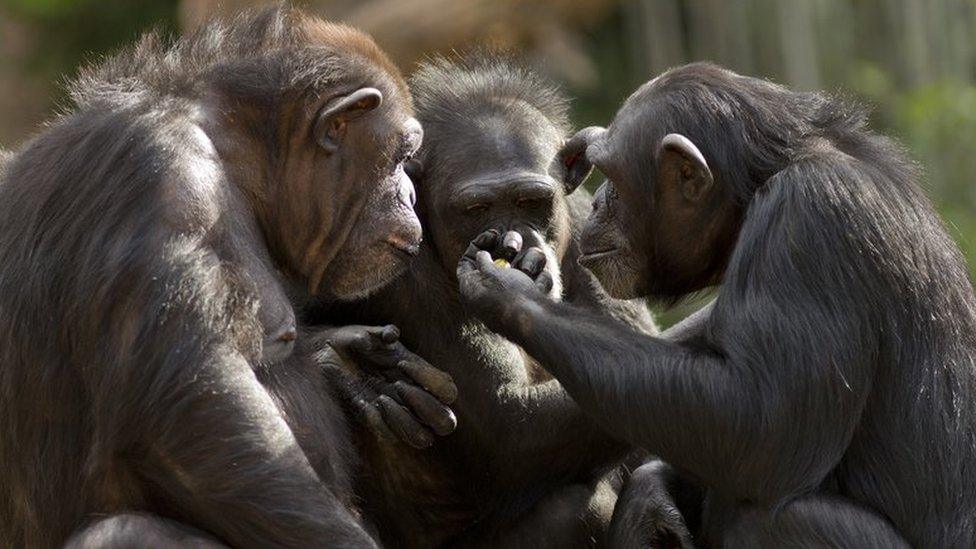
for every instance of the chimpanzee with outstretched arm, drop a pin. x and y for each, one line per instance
(829, 397)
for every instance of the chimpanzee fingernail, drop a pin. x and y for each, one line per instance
(511, 244)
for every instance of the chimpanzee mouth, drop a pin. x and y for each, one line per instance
(590, 257)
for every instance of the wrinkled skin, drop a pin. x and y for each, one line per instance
(839, 355)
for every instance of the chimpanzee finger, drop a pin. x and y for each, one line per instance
(362, 341)
(484, 241)
(381, 349)
(428, 409)
(374, 420)
(544, 282)
(511, 245)
(403, 424)
(385, 334)
(437, 382)
(483, 260)
(532, 262)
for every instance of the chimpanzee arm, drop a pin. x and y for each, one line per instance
(183, 395)
(769, 405)
(501, 412)
(692, 327)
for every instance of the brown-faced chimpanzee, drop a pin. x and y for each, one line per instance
(829, 396)
(523, 467)
(154, 240)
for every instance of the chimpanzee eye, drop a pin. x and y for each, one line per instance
(476, 209)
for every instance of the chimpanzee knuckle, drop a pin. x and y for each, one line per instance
(403, 424)
(375, 422)
(389, 334)
(367, 343)
(398, 353)
(373, 331)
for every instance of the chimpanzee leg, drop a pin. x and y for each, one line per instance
(814, 521)
(132, 530)
(649, 512)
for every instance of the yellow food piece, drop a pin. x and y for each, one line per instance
(502, 263)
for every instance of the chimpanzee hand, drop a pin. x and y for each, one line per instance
(488, 286)
(400, 395)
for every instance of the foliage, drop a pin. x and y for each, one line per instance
(937, 123)
(76, 31)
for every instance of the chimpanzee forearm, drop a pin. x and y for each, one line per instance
(525, 431)
(256, 488)
(552, 434)
(691, 327)
(140, 530)
(637, 387)
(604, 366)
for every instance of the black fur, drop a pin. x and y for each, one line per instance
(136, 263)
(830, 391)
(525, 467)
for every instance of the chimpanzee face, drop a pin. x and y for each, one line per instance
(491, 171)
(370, 158)
(659, 221)
(616, 243)
(346, 210)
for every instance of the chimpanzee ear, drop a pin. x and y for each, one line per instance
(681, 163)
(330, 127)
(571, 161)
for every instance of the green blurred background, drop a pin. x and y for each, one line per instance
(914, 61)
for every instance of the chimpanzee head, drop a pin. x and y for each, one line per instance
(315, 126)
(492, 129)
(682, 159)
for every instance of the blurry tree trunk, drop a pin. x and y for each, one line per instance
(800, 59)
(719, 31)
(958, 21)
(915, 46)
(657, 34)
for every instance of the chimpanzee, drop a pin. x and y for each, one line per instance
(525, 466)
(829, 396)
(153, 242)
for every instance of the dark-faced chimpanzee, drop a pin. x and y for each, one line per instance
(829, 396)
(154, 241)
(524, 465)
